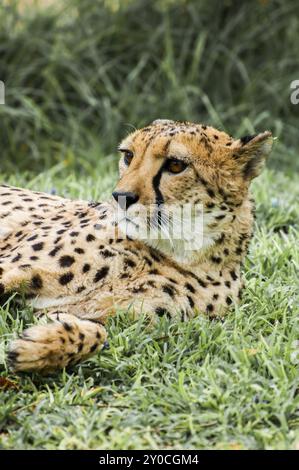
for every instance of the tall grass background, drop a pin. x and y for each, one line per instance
(80, 74)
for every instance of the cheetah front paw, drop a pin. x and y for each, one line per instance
(68, 340)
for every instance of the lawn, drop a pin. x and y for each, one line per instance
(202, 384)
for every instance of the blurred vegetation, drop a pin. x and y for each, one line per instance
(80, 74)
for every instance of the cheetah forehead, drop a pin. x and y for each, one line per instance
(186, 128)
(181, 139)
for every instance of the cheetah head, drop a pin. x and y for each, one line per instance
(172, 173)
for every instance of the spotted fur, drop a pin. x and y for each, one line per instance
(72, 262)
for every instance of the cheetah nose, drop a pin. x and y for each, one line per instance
(125, 199)
(106, 345)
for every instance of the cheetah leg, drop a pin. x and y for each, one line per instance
(66, 340)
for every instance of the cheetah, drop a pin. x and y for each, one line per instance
(76, 264)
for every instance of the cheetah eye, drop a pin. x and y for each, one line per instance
(175, 166)
(128, 156)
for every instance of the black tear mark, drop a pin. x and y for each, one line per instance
(159, 196)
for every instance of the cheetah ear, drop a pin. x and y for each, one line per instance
(162, 121)
(251, 151)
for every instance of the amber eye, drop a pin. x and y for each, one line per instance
(128, 156)
(175, 166)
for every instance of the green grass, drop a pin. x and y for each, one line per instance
(202, 384)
